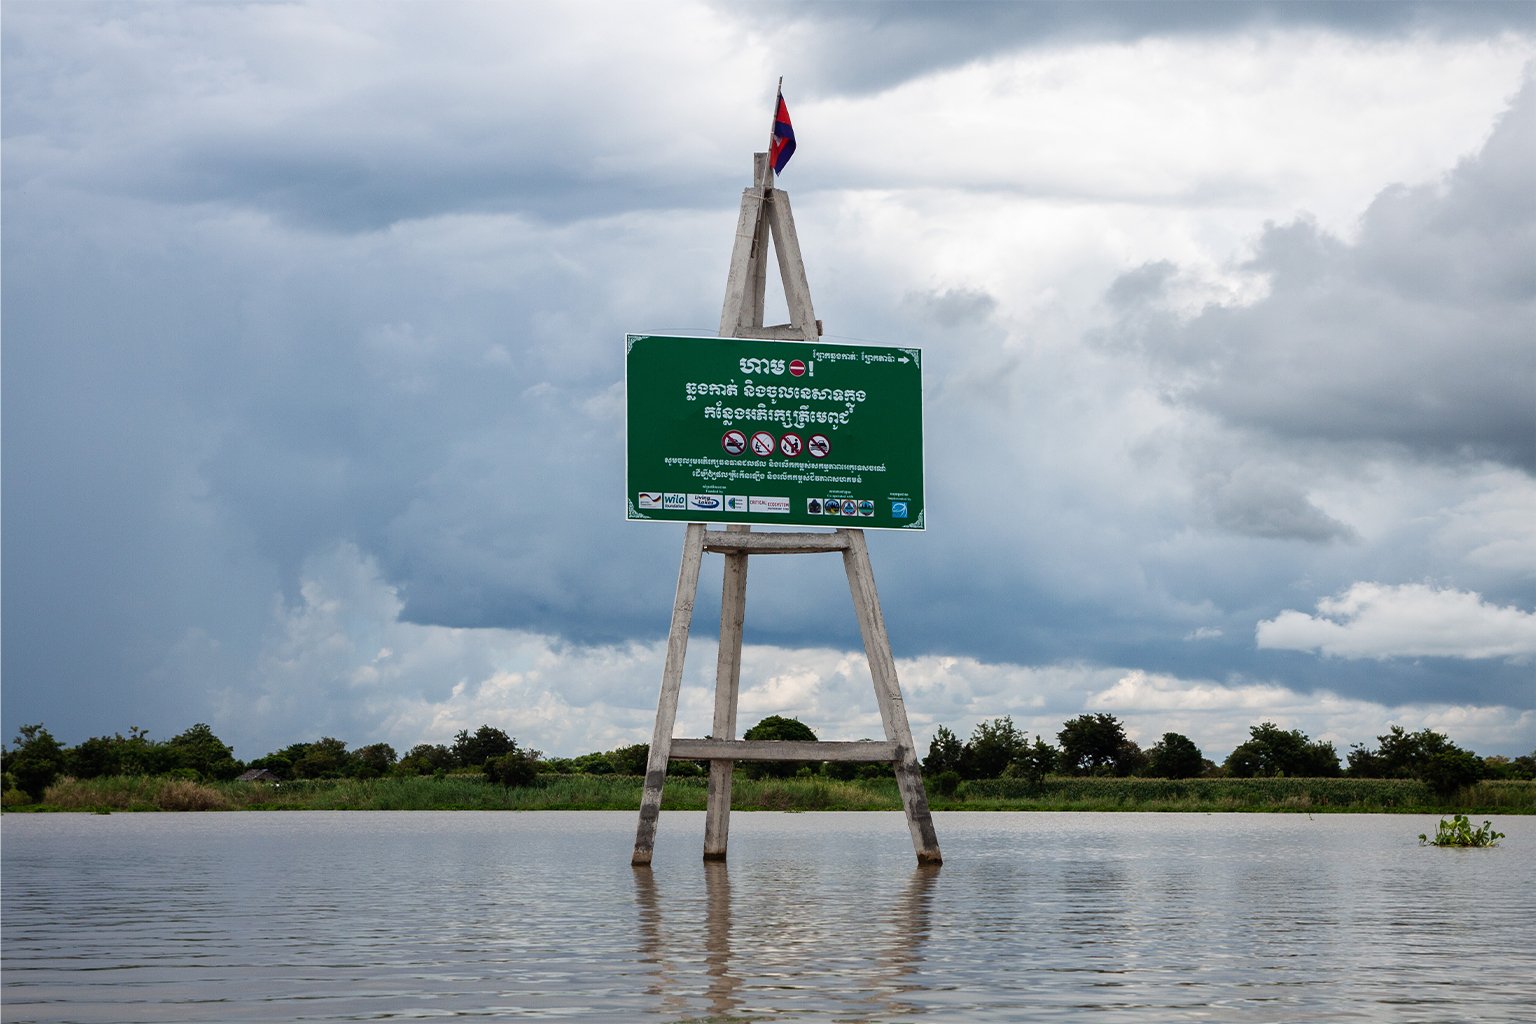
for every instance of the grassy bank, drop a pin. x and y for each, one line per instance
(1347, 795)
(583, 792)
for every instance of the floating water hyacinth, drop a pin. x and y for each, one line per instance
(1459, 832)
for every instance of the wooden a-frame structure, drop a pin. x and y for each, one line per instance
(766, 216)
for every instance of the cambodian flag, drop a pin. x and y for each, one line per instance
(783, 145)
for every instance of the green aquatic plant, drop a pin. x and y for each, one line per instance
(1459, 832)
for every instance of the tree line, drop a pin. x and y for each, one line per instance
(1090, 744)
(1097, 745)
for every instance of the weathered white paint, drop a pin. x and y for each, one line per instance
(671, 683)
(733, 608)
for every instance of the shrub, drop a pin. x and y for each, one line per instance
(946, 783)
(514, 768)
(185, 795)
(36, 761)
(776, 727)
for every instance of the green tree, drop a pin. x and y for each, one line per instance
(140, 755)
(1497, 766)
(1425, 755)
(35, 761)
(595, 763)
(513, 767)
(1446, 771)
(1097, 745)
(626, 760)
(992, 747)
(279, 762)
(97, 757)
(487, 742)
(201, 751)
(776, 727)
(631, 759)
(425, 759)
(945, 753)
(372, 761)
(1034, 762)
(1523, 767)
(1175, 756)
(325, 758)
(1271, 750)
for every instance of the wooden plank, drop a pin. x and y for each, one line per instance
(720, 542)
(740, 281)
(866, 751)
(751, 315)
(786, 244)
(733, 610)
(778, 332)
(893, 711)
(671, 683)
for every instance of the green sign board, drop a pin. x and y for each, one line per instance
(774, 433)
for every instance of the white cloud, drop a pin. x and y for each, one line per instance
(340, 661)
(1218, 715)
(1370, 620)
(1495, 529)
(1174, 120)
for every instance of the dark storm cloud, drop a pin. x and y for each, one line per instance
(954, 307)
(294, 121)
(369, 185)
(866, 47)
(1416, 334)
(1253, 503)
(282, 282)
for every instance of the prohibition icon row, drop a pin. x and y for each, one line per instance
(763, 444)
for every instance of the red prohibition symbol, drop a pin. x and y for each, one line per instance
(762, 444)
(734, 442)
(796, 368)
(819, 446)
(791, 445)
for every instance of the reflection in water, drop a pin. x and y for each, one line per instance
(717, 939)
(819, 919)
(870, 968)
(909, 925)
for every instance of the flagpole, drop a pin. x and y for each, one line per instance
(773, 135)
(773, 120)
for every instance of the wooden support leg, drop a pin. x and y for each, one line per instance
(745, 283)
(893, 711)
(671, 683)
(797, 292)
(733, 608)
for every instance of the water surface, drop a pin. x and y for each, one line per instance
(322, 916)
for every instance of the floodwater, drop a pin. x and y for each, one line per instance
(319, 916)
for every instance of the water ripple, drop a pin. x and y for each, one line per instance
(818, 918)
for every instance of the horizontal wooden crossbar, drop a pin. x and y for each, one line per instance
(778, 332)
(867, 751)
(724, 543)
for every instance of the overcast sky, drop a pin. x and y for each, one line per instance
(313, 362)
